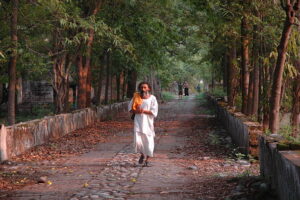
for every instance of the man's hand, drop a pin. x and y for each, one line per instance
(142, 111)
(138, 110)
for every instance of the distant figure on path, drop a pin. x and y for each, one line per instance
(186, 89)
(198, 88)
(145, 112)
(180, 86)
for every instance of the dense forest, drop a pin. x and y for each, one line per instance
(246, 51)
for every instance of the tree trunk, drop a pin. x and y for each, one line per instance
(250, 94)
(100, 76)
(124, 85)
(111, 77)
(225, 74)
(232, 76)
(256, 84)
(277, 81)
(131, 82)
(12, 65)
(107, 78)
(245, 63)
(212, 79)
(1, 93)
(67, 102)
(84, 64)
(118, 82)
(256, 78)
(88, 87)
(295, 119)
(61, 82)
(61, 73)
(82, 76)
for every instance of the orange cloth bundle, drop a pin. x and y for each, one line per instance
(137, 101)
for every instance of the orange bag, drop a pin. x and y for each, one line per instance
(137, 101)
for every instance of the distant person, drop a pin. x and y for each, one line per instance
(180, 87)
(145, 109)
(198, 88)
(186, 89)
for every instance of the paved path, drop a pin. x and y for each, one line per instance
(110, 171)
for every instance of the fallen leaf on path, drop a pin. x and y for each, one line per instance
(133, 180)
(85, 185)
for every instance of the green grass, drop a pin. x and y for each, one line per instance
(167, 96)
(200, 96)
(218, 92)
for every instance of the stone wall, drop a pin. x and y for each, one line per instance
(243, 131)
(279, 160)
(280, 168)
(18, 138)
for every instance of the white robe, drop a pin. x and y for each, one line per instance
(144, 127)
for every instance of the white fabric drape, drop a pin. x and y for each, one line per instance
(144, 127)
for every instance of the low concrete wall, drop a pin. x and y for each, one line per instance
(18, 138)
(243, 131)
(280, 168)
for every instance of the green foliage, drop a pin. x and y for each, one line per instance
(214, 139)
(167, 96)
(240, 156)
(42, 110)
(286, 131)
(218, 92)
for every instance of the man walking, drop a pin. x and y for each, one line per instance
(145, 111)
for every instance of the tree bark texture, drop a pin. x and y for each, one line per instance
(245, 63)
(250, 95)
(61, 67)
(111, 78)
(61, 74)
(225, 74)
(84, 64)
(12, 65)
(118, 82)
(295, 119)
(1, 93)
(232, 76)
(100, 79)
(256, 79)
(291, 10)
(131, 82)
(82, 77)
(124, 84)
(107, 78)
(88, 87)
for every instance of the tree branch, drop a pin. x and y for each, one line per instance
(282, 4)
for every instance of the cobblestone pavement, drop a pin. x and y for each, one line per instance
(110, 171)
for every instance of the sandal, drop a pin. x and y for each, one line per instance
(141, 159)
(146, 164)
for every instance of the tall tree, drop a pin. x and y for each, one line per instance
(256, 80)
(107, 75)
(131, 82)
(13, 63)
(291, 8)
(245, 59)
(100, 78)
(62, 61)
(232, 75)
(295, 119)
(85, 54)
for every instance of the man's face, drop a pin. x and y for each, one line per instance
(144, 88)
